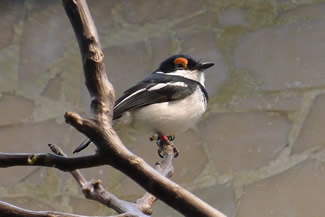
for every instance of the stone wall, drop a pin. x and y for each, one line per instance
(258, 150)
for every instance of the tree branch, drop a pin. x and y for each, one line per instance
(100, 89)
(50, 160)
(166, 169)
(101, 132)
(91, 189)
(8, 210)
(94, 190)
(103, 135)
(109, 145)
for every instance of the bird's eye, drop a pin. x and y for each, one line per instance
(181, 62)
(179, 65)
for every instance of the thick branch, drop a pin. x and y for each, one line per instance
(101, 90)
(50, 160)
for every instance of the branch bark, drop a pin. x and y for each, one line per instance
(100, 89)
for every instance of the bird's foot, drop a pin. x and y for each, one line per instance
(171, 137)
(165, 140)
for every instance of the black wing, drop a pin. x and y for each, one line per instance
(156, 88)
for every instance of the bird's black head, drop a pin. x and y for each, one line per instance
(182, 62)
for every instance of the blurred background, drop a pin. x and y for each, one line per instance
(258, 150)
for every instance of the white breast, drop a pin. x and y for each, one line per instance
(171, 118)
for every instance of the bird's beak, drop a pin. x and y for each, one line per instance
(204, 66)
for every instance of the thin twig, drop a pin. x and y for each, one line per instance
(8, 210)
(94, 190)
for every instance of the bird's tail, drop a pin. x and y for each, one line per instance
(87, 141)
(82, 146)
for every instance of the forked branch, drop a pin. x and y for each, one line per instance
(110, 149)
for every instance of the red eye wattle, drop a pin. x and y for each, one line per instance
(181, 61)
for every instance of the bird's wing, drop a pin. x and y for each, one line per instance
(156, 88)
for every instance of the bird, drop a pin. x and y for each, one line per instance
(167, 102)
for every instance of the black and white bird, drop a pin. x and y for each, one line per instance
(169, 101)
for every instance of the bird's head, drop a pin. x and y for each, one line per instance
(185, 66)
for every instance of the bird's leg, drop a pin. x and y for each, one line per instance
(155, 137)
(161, 141)
(163, 138)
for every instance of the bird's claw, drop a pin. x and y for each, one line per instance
(161, 141)
(160, 153)
(171, 138)
(176, 152)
